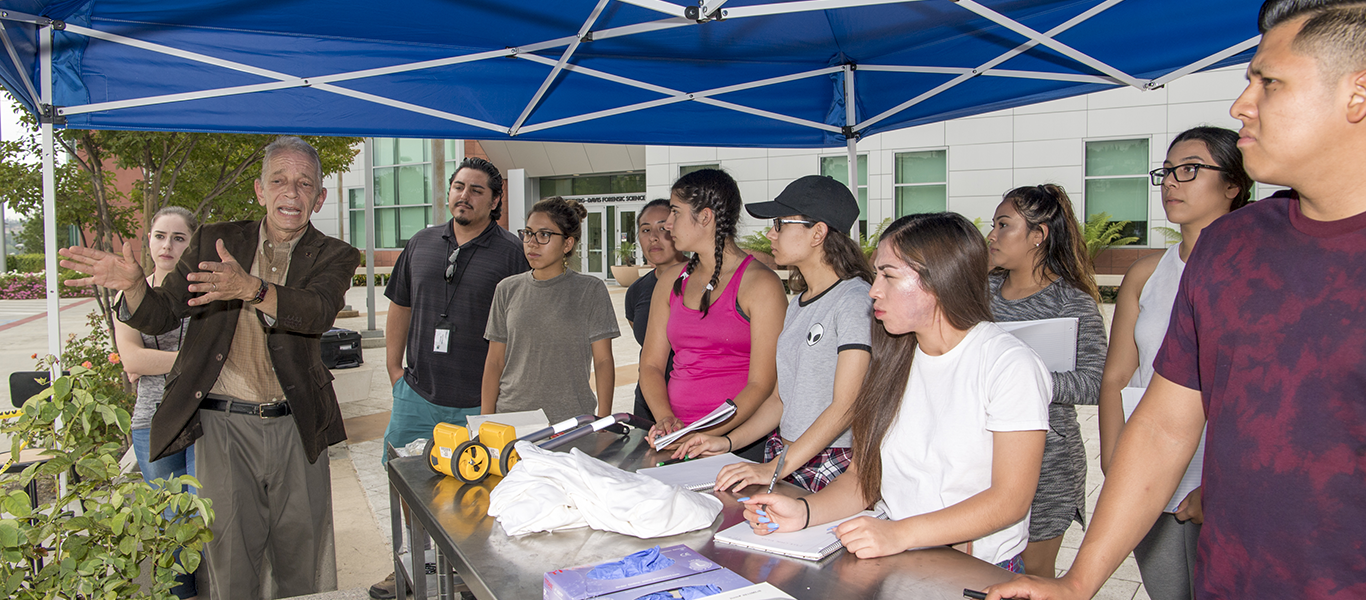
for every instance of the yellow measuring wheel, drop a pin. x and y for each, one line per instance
(471, 462)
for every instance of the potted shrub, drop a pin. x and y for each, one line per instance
(94, 536)
(625, 272)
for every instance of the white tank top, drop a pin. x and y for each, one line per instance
(1154, 314)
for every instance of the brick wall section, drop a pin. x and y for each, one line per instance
(1116, 261)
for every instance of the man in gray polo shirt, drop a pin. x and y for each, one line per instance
(439, 294)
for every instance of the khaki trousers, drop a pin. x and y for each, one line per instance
(272, 509)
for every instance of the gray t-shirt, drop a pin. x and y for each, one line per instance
(152, 387)
(814, 333)
(549, 328)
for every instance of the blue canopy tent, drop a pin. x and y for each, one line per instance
(766, 73)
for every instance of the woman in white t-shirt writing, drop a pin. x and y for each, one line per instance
(952, 415)
(823, 350)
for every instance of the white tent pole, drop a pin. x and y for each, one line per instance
(559, 66)
(54, 325)
(369, 171)
(1204, 62)
(14, 57)
(985, 67)
(1049, 42)
(850, 138)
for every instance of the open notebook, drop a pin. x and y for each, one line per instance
(722, 412)
(812, 543)
(698, 474)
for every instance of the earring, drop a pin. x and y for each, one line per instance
(1036, 244)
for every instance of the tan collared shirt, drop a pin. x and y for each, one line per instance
(247, 372)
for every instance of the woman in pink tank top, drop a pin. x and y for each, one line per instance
(721, 317)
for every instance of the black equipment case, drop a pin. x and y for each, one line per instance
(341, 349)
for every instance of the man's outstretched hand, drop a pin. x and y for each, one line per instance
(223, 280)
(105, 269)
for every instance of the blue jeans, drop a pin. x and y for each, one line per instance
(175, 465)
(414, 417)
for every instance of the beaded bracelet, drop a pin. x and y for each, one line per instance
(808, 512)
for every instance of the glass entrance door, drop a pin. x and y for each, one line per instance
(593, 251)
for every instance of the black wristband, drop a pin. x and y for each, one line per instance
(729, 444)
(261, 293)
(808, 512)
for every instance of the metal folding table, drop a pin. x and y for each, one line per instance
(493, 565)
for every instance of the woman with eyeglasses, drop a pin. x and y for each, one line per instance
(548, 326)
(1202, 179)
(720, 315)
(1041, 270)
(148, 358)
(823, 350)
(951, 418)
(658, 247)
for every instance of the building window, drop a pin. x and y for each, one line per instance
(837, 167)
(922, 182)
(403, 193)
(594, 185)
(1117, 184)
(685, 169)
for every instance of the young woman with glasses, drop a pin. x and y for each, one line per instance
(1042, 271)
(952, 414)
(823, 350)
(1202, 179)
(548, 326)
(148, 358)
(720, 315)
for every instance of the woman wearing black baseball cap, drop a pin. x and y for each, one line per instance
(823, 350)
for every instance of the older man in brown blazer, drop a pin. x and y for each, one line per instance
(249, 384)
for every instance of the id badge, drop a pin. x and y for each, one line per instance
(442, 340)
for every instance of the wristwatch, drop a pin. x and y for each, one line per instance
(261, 293)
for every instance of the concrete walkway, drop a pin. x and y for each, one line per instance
(360, 493)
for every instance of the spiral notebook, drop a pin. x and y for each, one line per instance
(812, 543)
(698, 474)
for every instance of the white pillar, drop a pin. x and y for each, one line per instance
(369, 170)
(521, 195)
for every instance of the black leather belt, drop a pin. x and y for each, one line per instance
(268, 410)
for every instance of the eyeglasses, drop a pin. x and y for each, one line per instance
(450, 264)
(541, 237)
(779, 222)
(1182, 173)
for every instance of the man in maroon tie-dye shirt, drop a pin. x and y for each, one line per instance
(1267, 339)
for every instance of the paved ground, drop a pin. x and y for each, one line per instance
(359, 487)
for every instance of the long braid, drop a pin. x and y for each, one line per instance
(692, 266)
(721, 236)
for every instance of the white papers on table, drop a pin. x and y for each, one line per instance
(812, 543)
(721, 413)
(698, 474)
(759, 591)
(526, 422)
(1054, 340)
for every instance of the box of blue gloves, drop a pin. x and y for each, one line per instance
(655, 574)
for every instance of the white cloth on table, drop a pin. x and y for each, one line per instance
(548, 491)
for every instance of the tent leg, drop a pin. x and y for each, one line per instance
(54, 326)
(370, 233)
(851, 140)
